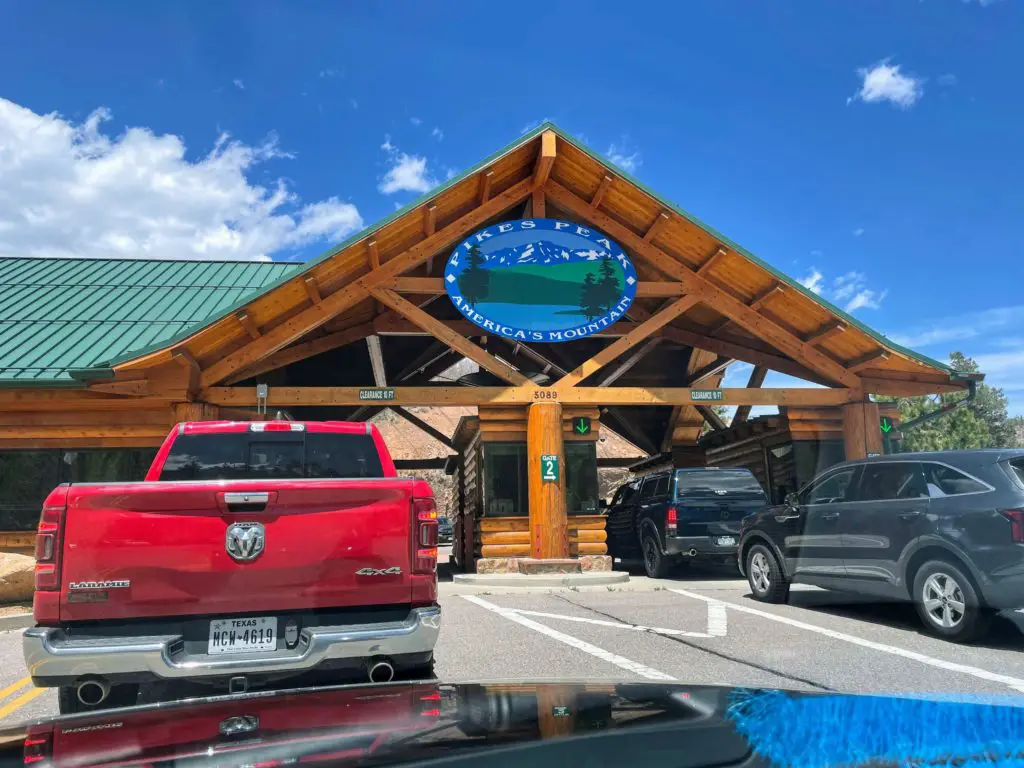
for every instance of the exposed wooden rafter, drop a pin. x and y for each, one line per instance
(602, 190)
(708, 265)
(827, 331)
(373, 254)
(312, 290)
(380, 377)
(429, 219)
(624, 367)
(711, 417)
(183, 357)
(670, 428)
(545, 161)
(359, 290)
(756, 304)
(707, 292)
(246, 321)
(866, 361)
(442, 332)
(652, 231)
(714, 367)
(485, 186)
(303, 350)
(627, 342)
(755, 381)
(419, 423)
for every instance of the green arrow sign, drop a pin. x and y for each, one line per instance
(886, 426)
(581, 425)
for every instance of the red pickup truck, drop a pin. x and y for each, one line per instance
(251, 553)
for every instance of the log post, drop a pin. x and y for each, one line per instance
(549, 532)
(861, 432)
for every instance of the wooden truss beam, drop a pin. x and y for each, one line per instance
(756, 305)
(754, 382)
(670, 428)
(706, 291)
(711, 417)
(330, 306)
(708, 265)
(868, 360)
(301, 351)
(545, 161)
(241, 397)
(380, 376)
(312, 290)
(419, 423)
(825, 332)
(442, 332)
(629, 362)
(652, 231)
(247, 323)
(602, 190)
(485, 186)
(715, 366)
(627, 342)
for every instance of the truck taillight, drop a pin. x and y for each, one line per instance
(38, 747)
(1016, 524)
(277, 426)
(424, 555)
(48, 548)
(671, 522)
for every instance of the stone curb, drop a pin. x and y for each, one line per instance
(16, 621)
(590, 579)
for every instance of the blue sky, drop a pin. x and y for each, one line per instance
(871, 149)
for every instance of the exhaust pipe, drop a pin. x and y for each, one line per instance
(692, 552)
(381, 672)
(92, 693)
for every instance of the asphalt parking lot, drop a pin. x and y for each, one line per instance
(701, 628)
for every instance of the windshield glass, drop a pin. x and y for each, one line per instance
(717, 481)
(485, 344)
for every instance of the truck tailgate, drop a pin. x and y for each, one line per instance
(139, 550)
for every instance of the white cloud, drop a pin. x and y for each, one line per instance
(813, 281)
(885, 82)
(622, 156)
(987, 323)
(408, 174)
(858, 231)
(437, 133)
(327, 74)
(865, 299)
(946, 80)
(416, 121)
(534, 124)
(72, 190)
(239, 84)
(387, 146)
(451, 173)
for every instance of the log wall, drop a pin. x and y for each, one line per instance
(510, 536)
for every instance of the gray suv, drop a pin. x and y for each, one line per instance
(943, 530)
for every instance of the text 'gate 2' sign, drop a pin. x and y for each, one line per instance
(540, 280)
(549, 468)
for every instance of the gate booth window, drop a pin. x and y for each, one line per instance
(506, 479)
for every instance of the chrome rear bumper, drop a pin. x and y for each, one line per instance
(56, 658)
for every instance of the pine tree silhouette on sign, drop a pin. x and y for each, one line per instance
(474, 282)
(608, 290)
(590, 301)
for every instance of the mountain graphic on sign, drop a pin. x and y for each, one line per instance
(541, 252)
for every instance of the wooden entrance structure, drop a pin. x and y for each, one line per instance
(367, 321)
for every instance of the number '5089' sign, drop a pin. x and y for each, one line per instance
(549, 468)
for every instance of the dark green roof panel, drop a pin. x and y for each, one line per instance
(58, 315)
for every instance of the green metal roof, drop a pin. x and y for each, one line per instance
(58, 315)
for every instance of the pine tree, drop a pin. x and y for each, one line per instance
(590, 301)
(474, 281)
(608, 290)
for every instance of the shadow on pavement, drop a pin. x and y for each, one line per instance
(693, 571)
(1006, 633)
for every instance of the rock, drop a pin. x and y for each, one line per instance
(596, 563)
(530, 566)
(496, 565)
(17, 577)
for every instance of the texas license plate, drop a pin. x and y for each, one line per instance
(725, 541)
(243, 635)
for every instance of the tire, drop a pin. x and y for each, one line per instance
(947, 602)
(656, 564)
(119, 696)
(764, 575)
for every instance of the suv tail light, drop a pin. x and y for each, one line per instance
(48, 548)
(671, 522)
(1016, 524)
(424, 543)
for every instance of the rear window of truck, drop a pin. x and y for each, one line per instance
(716, 481)
(271, 456)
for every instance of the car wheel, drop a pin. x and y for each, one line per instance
(765, 575)
(124, 695)
(656, 564)
(947, 602)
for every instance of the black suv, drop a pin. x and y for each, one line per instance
(670, 516)
(944, 530)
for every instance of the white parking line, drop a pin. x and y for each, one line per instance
(982, 674)
(717, 622)
(612, 658)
